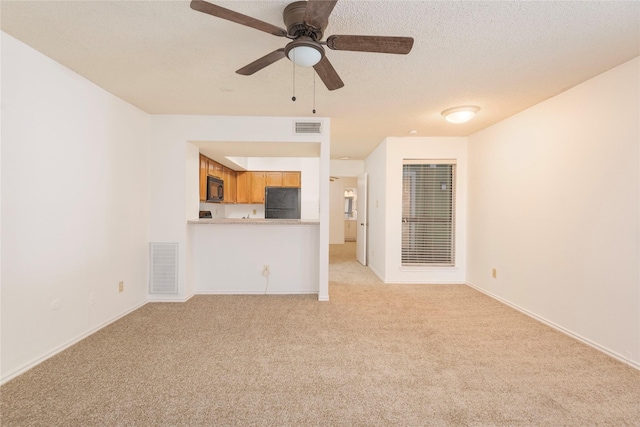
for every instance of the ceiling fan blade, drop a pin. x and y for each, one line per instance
(318, 11)
(238, 18)
(328, 74)
(260, 63)
(377, 44)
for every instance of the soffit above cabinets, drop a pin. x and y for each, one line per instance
(222, 151)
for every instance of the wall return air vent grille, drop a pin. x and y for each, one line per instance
(163, 277)
(307, 128)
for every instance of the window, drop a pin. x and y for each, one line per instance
(428, 212)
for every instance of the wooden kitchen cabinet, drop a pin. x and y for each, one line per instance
(257, 187)
(229, 178)
(243, 187)
(214, 169)
(291, 179)
(282, 179)
(250, 187)
(203, 178)
(273, 179)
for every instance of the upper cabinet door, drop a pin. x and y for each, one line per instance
(233, 185)
(291, 179)
(243, 187)
(214, 169)
(229, 178)
(257, 187)
(273, 179)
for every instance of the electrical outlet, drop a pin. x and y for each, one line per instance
(92, 298)
(494, 273)
(265, 270)
(121, 286)
(255, 211)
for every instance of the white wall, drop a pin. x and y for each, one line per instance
(336, 212)
(351, 168)
(242, 210)
(311, 197)
(74, 207)
(384, 166)
(229, 258)
(376, 166)
(170, 187)
(555, 206)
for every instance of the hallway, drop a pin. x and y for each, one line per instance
(345, 270)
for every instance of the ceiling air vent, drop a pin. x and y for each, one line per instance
(307, 128)
(164, 268)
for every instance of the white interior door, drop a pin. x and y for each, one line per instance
(362, 220)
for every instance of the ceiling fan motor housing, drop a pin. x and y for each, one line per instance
(293, 16)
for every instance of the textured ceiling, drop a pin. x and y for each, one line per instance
(504, 56)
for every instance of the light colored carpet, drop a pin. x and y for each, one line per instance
(375, 354)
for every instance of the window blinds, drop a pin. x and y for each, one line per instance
(428, 212)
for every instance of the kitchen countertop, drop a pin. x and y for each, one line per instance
(254, 221)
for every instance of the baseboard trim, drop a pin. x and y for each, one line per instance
(409, 282)
(559, 328)
(171, 299)
(234, 292)
(427, 282)
(68, 344)
(374, 271)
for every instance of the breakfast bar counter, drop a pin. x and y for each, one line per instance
(254, 256)
(255, 221)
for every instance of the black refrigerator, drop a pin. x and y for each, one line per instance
(282, 203)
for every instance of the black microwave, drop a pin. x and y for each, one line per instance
(215, 190)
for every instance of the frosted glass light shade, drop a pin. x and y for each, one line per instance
(460, 114)
(304, 56)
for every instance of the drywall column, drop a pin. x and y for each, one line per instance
(325, 163)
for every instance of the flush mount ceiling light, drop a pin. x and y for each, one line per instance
(461, 114)
(304, 52)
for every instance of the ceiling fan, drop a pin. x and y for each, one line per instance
(306, 22)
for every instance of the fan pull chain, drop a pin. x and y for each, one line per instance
(314, 92)
(293, 98)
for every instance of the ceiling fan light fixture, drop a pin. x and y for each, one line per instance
(304, 56)
(304, 52)
(461, 114)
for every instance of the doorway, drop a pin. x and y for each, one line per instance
(343, 210)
